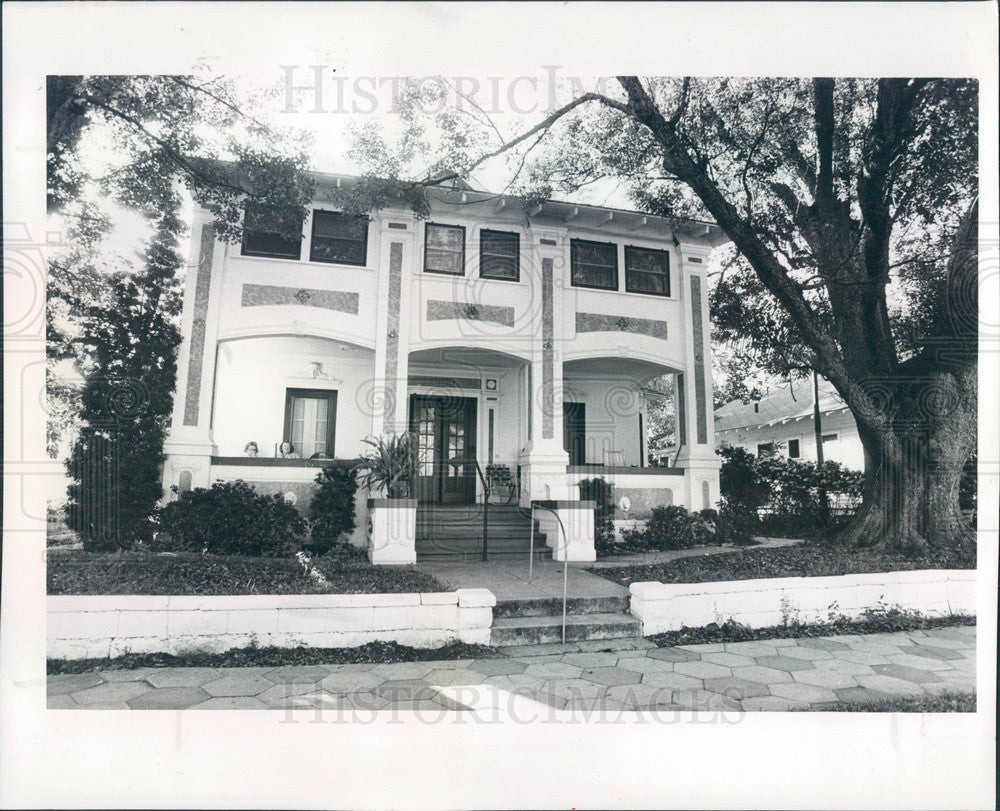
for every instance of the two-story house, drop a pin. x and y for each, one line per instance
(522, 338)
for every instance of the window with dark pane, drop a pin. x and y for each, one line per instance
(499, 255)
(594, 264)
(340, 239)
(444, 249)
(266, 229)
(647, 271)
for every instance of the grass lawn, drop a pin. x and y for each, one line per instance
(372, 652)
(943, 702)
(802, 560)
(78, 572)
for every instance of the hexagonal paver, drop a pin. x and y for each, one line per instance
(913, 674)
(237, 684)
(618, 646)
(232, 703)
(545, 649)
(71, 683)
(764, 675)
(728, 659)
(752, 649)
(673, 655)
(704, 700)
(111, 693)
(139, 674)
(862, 657)
(737, 689)
(63, 702)
(554, 670)
(169, 698)
(704, 647)
(641, 696)
(861, 696)
(784, 663)
(772, 704)
(404, 670)
(702, 670)
(351, 668)
(498, 667)
(428, 710)
(591, 659)
(516, 682)
(934, 640)
(812, 654)
(805, 693)
(397, 690)
(573, 689)
(183, 676)
(646, 665)
(822, 643)
(673, 681)
(890, 684)
(347, 682)
(831, 679)
(872, 646)
(843, 666)
(448, 664)
(283, 695)
(931, 652)
(611, 676)
(447, 678)
(297, 674)
(920, 662)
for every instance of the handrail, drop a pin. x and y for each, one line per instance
(531, 559)
(486, 507)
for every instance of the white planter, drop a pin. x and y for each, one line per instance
(392, 531)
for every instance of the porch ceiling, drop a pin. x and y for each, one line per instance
(452, 356)
(639, 371)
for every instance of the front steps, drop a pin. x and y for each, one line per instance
(532, 622)
(456, 532)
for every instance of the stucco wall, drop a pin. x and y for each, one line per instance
(92, 626)
(762, 603)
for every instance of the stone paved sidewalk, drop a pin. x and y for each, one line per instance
(776, 675)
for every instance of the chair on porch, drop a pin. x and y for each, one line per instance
(499, 478)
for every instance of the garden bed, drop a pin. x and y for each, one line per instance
(873, 622)
(802, 560)
(136, 573)
(373, 652)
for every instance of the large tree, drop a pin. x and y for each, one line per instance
(851, 204)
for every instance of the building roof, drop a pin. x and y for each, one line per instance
(791, 401)
(578, 214)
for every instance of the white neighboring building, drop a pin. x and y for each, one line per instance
(784, 418)
(500, 335)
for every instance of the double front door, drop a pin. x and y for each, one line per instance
(445, 430)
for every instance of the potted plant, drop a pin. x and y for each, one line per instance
(392, 518)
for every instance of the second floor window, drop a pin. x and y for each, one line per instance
(499, 255)
(266, 230)
(594, 264)
(341, 239)
(647, 271)
(444, 249)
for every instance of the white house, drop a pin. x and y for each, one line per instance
(783, 420)
(499, 334)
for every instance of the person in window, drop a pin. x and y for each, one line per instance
(250, 449)
(287, 451)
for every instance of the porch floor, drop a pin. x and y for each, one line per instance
(508, 578)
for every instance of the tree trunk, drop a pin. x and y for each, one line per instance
(914, 463)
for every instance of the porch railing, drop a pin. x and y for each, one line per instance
(486, 508)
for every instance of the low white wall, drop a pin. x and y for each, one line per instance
(762, 603)
(100, 626)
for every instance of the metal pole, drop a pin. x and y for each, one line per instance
(531, 548)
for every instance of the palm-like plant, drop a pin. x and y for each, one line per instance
(390, 465)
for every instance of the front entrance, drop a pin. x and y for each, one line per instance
(445, 430)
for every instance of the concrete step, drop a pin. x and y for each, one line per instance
(534, 630)
(553, 607)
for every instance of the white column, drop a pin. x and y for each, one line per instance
(697, 456)
(189, 445)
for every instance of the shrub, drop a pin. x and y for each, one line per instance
(391, 465)
(230, 518)
(735, 524)
(603, 494)
(332, 512)
(668, 527)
